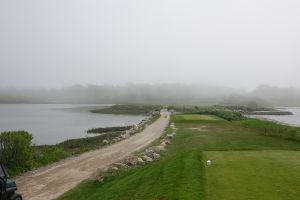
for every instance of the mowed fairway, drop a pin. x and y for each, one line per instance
(268, 175)
(246, 165)
(199, 117)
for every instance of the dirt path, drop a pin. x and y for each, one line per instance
(52, 181)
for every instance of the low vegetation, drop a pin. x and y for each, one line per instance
(18, 154)
(227, 115)
(247, 108)
(221, 112)
(245, 164)
(276, 112)
(129, 109)
(15, 151)
(109, 129)
(269, 128)
(230, 110)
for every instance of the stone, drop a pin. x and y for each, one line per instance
(140, 161)
(126, 135)
(114, 168)
(147, 159)
(100, 178)
(116, 139)
(135, 127)
(122, 165)
(163, 144)
(105, 142)
(159, 148)
(155, 156)
(166, 141)
(169, 136)
(130, 161)
(147, 151)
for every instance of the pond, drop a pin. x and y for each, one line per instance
(54, 123)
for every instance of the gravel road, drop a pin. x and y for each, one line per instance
(52, 181)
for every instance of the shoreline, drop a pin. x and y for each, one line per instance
(52, 153)
(262, 117)
(71, 171)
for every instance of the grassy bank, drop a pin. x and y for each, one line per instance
(230, 112)
(246, 164)
(24, 157)
(46, 154)
(109, 129)
(273, 129)
(129, 109)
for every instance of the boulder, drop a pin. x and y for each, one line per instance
(149, 151)
(163, 144)
(126, 135)
(155, 156)
(117, 139)
(131, 161)
(158, 149)
(105, 142)
(100, 178)
(113, 168)
(147, 158)
(135, 127)
(140, 160)
(166, 141)
(169, 136)
(121, 165)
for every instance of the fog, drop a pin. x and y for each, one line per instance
(235, 43)
(155, 94)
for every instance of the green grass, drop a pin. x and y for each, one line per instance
(181, 172)
(199, 117)
(132, 109)
(268, 175)
(272, 129)
(42, 155)
(168, 179)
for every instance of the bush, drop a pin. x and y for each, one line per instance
(16, 151)
(48, 154)
(218, 111)
(227, 115)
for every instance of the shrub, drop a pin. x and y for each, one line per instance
(48, 154)
(227, 115)
(16, 151)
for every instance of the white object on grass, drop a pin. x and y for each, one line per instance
(208, 162)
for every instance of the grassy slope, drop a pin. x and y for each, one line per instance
(180, 174)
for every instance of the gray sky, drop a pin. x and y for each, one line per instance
(239, 43)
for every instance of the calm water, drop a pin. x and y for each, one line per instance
(53, 123)
(287, 119)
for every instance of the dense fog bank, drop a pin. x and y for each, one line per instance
(154, 94)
